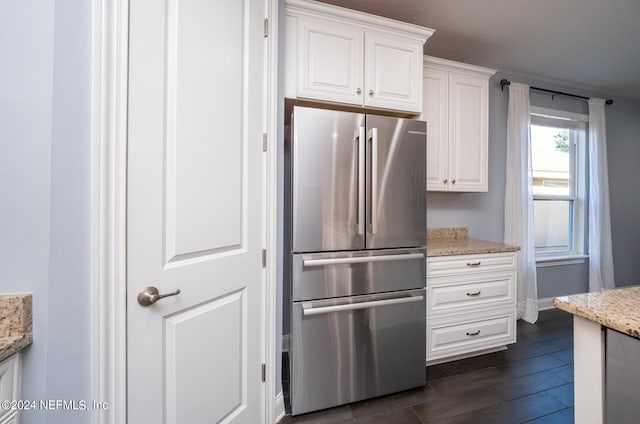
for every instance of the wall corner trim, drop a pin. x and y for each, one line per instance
(108, 207)
(280, 411)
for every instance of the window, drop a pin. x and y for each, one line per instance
(558, 175)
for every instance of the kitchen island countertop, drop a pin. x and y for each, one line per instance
(618, 309)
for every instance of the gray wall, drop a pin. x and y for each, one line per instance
(44, 176)
(623, 141)
(483, 213)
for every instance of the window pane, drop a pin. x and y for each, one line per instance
(553, 223)
(550, 160)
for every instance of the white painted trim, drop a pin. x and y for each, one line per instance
(271, 206)
(570, 260)
(280, 411)
(449, 65)
(545, 303)
(555, 113)
(465, 355)
(108, 207)
(343, 15)
(285, 343)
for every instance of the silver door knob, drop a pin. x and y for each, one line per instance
(150, 295)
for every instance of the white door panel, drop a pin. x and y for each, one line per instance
(468, 134)
(194, 210)
(330, 62)
(393, 73)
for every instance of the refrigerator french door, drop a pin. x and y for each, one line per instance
(358, 181)
(357, 235)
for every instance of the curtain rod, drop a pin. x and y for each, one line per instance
(504, 82)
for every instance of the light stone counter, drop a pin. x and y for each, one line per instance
(455, 241)
(15, 323)
(618, 309)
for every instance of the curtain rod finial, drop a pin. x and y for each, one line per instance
(608, 102)
(504, 82)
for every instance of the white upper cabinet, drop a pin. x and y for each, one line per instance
(456, 108)
(330, 66)
(338, 55)
(392, 72)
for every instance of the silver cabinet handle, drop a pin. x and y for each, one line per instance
(475, 333)
(361, 259)
(445, 181)
(371, 92)
(360, 170)
(474, 294)
(374, 180)
(358, 91)
(308, 309)
(453, 181)
(150, 295)
(474, 263)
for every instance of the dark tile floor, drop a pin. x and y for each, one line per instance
(531, 382)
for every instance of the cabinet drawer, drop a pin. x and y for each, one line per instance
(470, 333)
(469, 292)
(445, 265)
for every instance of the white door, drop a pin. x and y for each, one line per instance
(194, 211)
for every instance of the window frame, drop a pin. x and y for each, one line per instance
(577, 124)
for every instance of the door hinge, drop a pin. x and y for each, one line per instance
(264, 142)
(264, 258)
(264, 373)
(266, 28)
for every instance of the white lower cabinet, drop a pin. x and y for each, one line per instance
(471, 304)
(10, 387)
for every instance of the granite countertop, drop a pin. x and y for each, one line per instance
(618, 309)
(16, 329)
(455, 241)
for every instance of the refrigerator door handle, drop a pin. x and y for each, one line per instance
(308, 309)
(374, 180)
(361, 259)
(360, 169)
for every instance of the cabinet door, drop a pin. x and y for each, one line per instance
(435, 110)
(330, 62)
(393, 72)
(468, 133)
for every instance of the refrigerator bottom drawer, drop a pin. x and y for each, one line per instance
(349, 349)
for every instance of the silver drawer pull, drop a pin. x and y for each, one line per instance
(361, 259)
(474, 294)
(473, 263)
(308, 309)
(475, 333)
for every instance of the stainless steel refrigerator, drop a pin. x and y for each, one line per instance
(356, 187)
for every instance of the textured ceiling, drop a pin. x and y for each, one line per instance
(594, 44)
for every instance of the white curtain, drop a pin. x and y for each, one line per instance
(518, 200)
(600, 250)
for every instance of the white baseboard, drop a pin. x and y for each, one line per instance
(279, 406)
(546, 303)
(285, 343)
